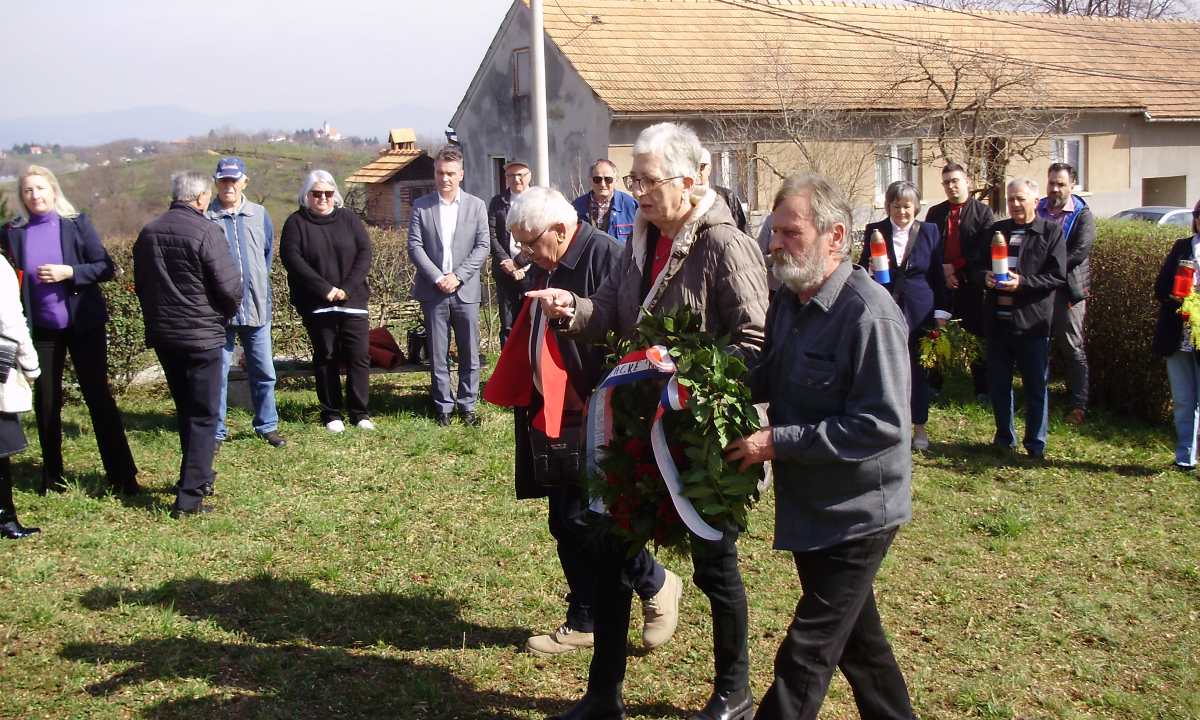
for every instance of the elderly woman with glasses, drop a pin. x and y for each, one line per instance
(63, 263)
(327, 253)
(918, 284)
(684, 252)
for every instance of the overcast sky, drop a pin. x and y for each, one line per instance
(65, 57)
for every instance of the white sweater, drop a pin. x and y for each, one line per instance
(15, 395)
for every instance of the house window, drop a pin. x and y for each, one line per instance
(894, 161)
(521, 72)
(731, 169)
(498, 174)
(1070, 150)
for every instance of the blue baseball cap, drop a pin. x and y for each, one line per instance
(231, 167)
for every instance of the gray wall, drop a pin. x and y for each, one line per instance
(494, 123)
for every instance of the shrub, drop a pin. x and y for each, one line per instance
(1126, 377)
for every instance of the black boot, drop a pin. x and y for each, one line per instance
(736, 705)
(52, 485)
(595, 706)
(12, 529)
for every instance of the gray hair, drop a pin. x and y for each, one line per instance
(900, 191)
(826, 202)
(540, 208)
(676, 146)
(319, 176)
(188, 185)
(1014, 185)
(602, 161)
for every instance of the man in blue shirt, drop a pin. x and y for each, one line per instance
(251, 237)
(606, 208)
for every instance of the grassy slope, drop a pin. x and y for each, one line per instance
(392, 574)
(123, 196)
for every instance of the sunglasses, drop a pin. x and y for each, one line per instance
(317, 194)
(598, 179)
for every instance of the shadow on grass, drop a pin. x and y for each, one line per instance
(974, 458)
(291, 681)
(269, 609)
(278, 672)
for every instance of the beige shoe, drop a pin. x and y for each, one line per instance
(662, 613)
(561, 641)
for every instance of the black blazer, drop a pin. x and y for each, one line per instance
(590, 259)
(1042, 266)
(921, 287)
(1168, 331)
(966, 303)
(498, 231)
(85, 253)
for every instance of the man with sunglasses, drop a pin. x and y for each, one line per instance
(508, 265)
(606, 208)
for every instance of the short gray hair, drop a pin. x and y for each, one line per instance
(1014, 185)
(188, 185)
(540, 208)
(319, 176)
(902, 190)
(677, 148)
(826, 202)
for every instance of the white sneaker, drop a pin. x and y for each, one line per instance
(365, 424)
(335, 426)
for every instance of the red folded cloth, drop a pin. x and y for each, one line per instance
(384, 350)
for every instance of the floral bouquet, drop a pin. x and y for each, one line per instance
(1190, 310)
(950, 348)
(662, 471)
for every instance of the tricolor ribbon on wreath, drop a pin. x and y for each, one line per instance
(653, 362)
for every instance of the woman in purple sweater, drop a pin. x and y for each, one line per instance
(60, 262)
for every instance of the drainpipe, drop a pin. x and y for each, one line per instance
(537, 61)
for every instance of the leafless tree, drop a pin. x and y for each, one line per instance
(982, 109)
(798, 125)
(1135, 9)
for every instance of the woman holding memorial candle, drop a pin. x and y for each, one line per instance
(909, 265)
(1173, 340)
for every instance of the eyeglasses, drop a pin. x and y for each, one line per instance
(318, 194)
(645, 184)
(598, 179)
(528, 247)
(516, 175)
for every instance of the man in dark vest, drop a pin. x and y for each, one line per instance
(508, 267)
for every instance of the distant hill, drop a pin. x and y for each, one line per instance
(170, 122)
(122, 197)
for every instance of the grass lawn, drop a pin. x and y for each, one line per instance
(392, 574)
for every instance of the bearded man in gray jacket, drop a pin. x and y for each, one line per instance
(835, 369)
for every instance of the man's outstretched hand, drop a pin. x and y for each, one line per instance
(556, 303)
(757, 447)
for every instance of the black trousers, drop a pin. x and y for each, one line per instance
(89, 355)
(339, 337)
(715, 571)
(194, 377)
(837, 625)
(576, 538)
(509, 298)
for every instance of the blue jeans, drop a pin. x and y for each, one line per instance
(260, 366)
(1031, 356)
(1184, 374)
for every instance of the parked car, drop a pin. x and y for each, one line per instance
(1159, 215)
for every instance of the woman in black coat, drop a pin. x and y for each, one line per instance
(1174, 342)
(60, 262)
(327, 253)
(918, 284)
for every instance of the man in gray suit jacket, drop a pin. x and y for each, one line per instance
(448, 244)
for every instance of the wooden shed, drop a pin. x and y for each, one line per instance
(399, 175)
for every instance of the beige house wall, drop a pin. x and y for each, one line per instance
(850, 164)
(1107, 162)
(622, 157)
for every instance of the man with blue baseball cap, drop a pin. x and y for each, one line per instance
(251, 237)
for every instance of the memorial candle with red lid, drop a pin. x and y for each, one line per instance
(1185, 278)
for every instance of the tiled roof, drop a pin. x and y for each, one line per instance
(384, 166)
(689, 56)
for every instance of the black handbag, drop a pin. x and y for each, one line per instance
(558, 461)
(418, 345)
(8, 356)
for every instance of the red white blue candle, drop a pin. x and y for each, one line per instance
(999, 257)
(879, 259)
